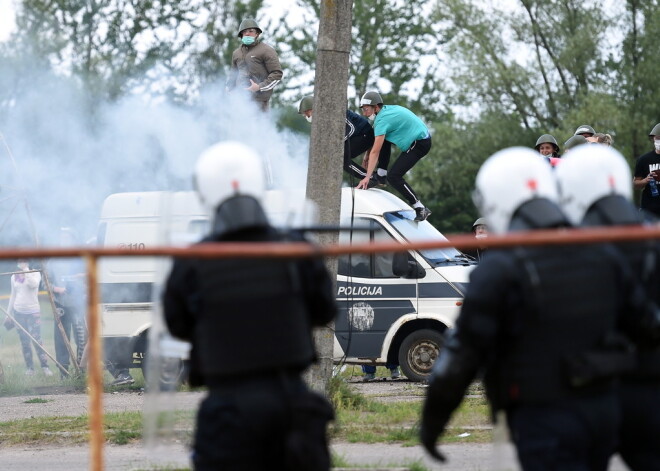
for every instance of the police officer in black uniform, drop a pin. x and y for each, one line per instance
(537, 321)
(607, 201)
(250, 324)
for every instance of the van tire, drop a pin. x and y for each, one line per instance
(418, 352)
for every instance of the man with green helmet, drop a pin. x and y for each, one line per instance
(647, 175)
(399, 126)
(255, 66)
(358, 138)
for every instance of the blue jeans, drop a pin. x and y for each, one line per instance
(371, 369)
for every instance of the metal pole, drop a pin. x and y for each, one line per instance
(95, 368)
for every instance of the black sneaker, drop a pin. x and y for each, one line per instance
(373, 182)
(122, 378)
(382, 180)
(422, 213)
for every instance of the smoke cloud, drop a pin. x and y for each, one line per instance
(71, 154)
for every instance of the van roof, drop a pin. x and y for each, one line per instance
(149, 203)
(372, 201)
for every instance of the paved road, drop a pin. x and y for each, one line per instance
(464, 457)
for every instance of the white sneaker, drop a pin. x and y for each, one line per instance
(47, 371)
(29, 372)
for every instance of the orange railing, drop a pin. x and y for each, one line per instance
(281, 250)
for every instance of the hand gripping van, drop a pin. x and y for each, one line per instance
(393, 308)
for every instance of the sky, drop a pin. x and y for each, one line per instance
(6, 18)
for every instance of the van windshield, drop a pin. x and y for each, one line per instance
(403, 222)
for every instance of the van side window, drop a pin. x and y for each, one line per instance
(377, 265)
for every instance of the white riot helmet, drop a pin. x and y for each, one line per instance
(229, 169)
(588, 174)
(507, 180)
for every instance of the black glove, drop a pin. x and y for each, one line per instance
(434, 421)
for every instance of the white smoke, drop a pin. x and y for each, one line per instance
(71, 154)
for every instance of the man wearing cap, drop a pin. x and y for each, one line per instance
(399, 126)
(255, 66)
(647, 175)
(358, 139)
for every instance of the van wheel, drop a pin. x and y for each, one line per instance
(173, 372)
(418, 352)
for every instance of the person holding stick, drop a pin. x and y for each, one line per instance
(25, 310)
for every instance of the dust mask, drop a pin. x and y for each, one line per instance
(23, 266)
(372, 118)
(247, 40)
(308, 118)
(657, 145)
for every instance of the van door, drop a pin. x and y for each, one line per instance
(370, 297)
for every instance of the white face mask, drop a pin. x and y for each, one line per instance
(657, 145)
(481, 236)
(23, 266)
(372, 117)
(308, 118)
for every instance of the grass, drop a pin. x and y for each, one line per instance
(363, 420)
(36, 400)
(120, 428)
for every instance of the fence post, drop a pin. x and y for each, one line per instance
(95, 367)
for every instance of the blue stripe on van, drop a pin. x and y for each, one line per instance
(374, 290)
(439, 290)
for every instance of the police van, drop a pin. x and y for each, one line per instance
(393, 307)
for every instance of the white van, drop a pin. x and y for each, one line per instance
(393, 308)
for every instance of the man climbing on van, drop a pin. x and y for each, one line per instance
(396, 125)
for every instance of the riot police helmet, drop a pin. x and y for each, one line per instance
(507, 181)
(588, 175)
(229, 169)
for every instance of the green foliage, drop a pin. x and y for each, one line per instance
(392, 43)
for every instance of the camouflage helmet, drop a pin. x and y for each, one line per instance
(584, 129)
(575, 141)
(306, 104)
(371, 98)
(246, 24)
(655, 131)
(546, 139)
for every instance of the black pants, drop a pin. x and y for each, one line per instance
(405, 162)
(573, 435)
(640, 429)
(257, 424)
(357, 145)
(72, 323)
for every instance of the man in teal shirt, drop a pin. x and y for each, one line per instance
(399, 126)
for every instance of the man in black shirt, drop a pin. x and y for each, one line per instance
(647, 175)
